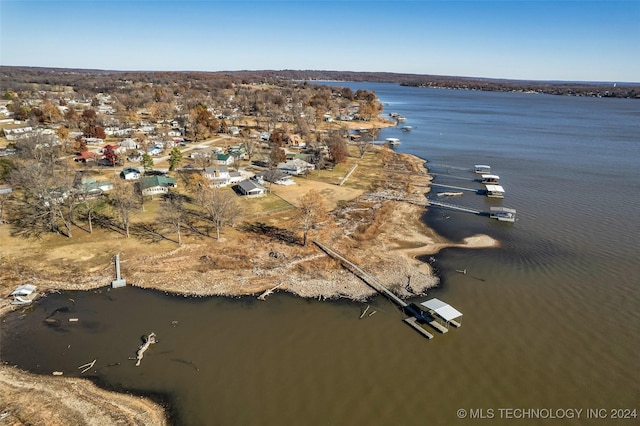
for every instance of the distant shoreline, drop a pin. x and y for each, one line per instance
(605, 89)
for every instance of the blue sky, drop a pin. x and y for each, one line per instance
(538, 40)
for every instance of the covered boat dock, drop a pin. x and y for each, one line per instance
(495, 191)
(482, 169)
(490, 179)
(503, 214)
(444, 311)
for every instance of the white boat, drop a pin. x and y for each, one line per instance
(392, 141)
(406, 128)
(450, 194)
(401, 119)
(503, 214)
(24, 294)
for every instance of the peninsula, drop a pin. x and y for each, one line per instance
(359, 197)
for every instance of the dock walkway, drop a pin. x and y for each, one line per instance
(368, 279)
(417, 315)
(461, 188)
(453, 207)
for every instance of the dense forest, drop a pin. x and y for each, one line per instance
(22, 78)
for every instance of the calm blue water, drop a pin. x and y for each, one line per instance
(551, 319)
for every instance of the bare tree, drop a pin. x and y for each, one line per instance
(124, 200)
(312, 211)
(221, 206)
(42, 200)
(172, 212)
(88, 205)
(368, 139)
(250, 146)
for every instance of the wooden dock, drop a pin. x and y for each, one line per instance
(368, 279)
(461, 188)
(416, 315)
(453, 207)
(413, 322)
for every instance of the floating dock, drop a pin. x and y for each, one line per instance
(448, 313)
(503, 214)
(495, 191)
(413, 322)
(482, 169)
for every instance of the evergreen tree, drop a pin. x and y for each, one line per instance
(147, 162)
(175, 158)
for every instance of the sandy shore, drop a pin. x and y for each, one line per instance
(383, 236)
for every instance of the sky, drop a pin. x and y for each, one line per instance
(576, 40)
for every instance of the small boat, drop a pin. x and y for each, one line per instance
(450, 194)
(401, 119)
(24, 294)
(392, 141)
(406, 128)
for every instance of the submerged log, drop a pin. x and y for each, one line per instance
(365, 311)
(148, 341)
(268, 292)
(86, 367)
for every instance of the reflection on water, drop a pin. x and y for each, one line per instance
(551, 319)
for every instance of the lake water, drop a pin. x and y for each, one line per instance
(551, 319)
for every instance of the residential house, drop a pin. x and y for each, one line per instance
(304, 157)
(235, 177)
(129, 143)
(90, 186)
(224, 159)
(250, 188)
(85, 156)
(155, 150)
(275, 176)
(130, 173)
(154, 185)
(117, 149)
(219, 176)
(295, 167)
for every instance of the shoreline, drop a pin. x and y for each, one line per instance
(385, 237)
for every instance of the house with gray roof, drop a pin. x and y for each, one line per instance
(250, 188)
